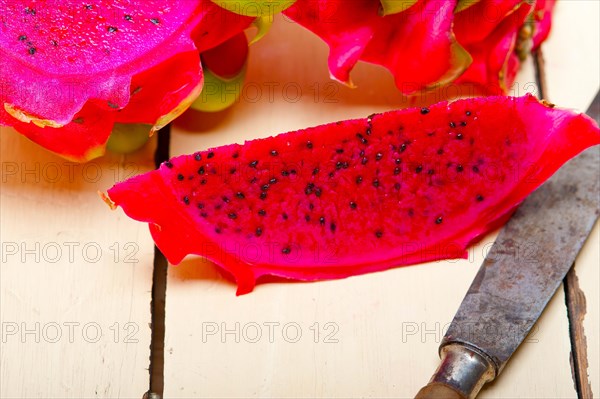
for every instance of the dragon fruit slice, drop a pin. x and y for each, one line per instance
(417, 45)
(495, 62)
(356, 196)
(132, 61)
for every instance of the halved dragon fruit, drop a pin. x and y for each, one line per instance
(356, 196)
(71, 69)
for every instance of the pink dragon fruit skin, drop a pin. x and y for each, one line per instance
(495, 63)
(417, 44)
(356, 196)
(65, 61)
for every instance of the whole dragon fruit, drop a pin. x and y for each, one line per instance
(426, 44)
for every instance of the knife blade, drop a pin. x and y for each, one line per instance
(525, 266)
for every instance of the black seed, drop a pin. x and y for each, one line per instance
(210, 155)
(345, 165)
(203, 181)
(32, 50)
(331, 174)
(200, 205)
(362, 138)
(309, 188)
(262, 212)
(112, 29)
(418, 169)
(439, 220)
(332, 226)
(218, 230)
(201, 170)
(274, 153)
(398, 161)
(54, 43)
(362, 153)
(273, 180)
(265, 187)
(240, 195)
(397, 186)
(89, 7)
(286, 250)
(263, 195)
(232, 215)
(29, 11)
(293, 171)
(376, 183)
(463, 123)
(378, 233)
(284, 216)
(475, 169)
(452, 124)
(232, 171)
(315, 171)
(311, 206)
(352, 205)
(258, 231)
(479, 198)
(235, 155)
(322, 220)
(155, 21)
(339, 151)
(168, 164)
(431, 134)
(253, 180)
(396, 170)
(364, 161)
(424, 110)
(197, 156)
(440, 151)
(180, 177)
(186, 200)
(459, 136)
(309, 145)
(368, 131)
(403, 147)
(318, 192)
(128, 17)
(22, 38)
(338, 165)
(430, 172)
(359, 179)
(285, 173)
(307, 218)
(459, 168)
(468, 113)
(253, 164)
(203, 214)
(225, 199)
(378, 156)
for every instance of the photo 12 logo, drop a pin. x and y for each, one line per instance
(69, 332)
(269, 331)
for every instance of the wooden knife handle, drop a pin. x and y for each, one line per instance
(437, 390)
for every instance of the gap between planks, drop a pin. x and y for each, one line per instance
(574, 296)
(159, 292)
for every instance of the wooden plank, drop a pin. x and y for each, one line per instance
(75, 277)
(573, 79)
(377, 334)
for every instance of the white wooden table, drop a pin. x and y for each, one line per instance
(76, 278)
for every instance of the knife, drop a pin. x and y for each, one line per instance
(530, 258)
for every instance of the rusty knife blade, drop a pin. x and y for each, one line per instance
(527, 263)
